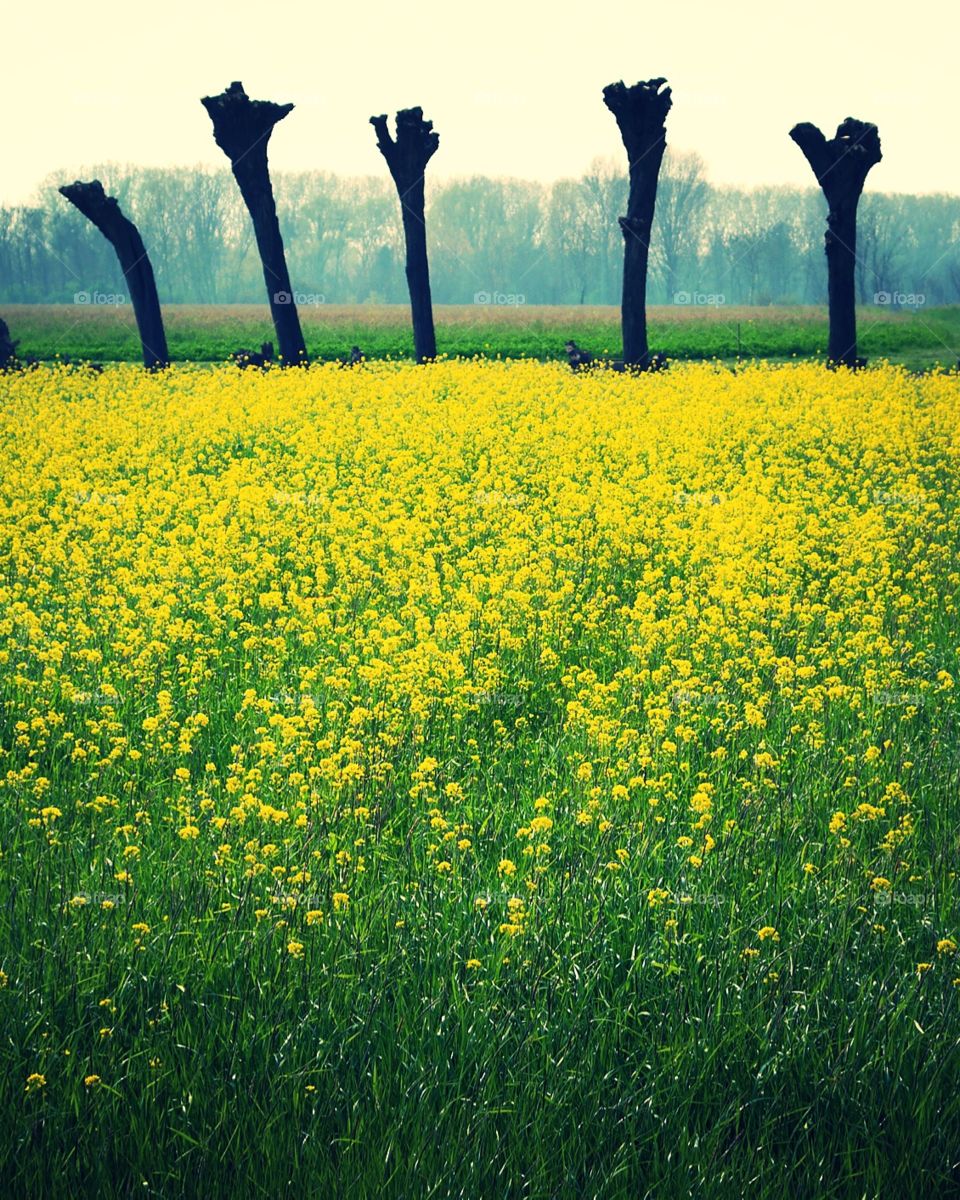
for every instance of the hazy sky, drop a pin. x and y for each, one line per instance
(513, 86)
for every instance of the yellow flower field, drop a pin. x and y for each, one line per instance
(564, 766)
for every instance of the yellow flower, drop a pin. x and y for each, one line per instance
(314, 916)
(341, 900)
(507, 867)
(766, 932)
(35, 1082)
(295, 949)
(91, 1081)
(474, 964)
(946, 946)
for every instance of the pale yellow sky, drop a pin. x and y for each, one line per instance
(513, 87)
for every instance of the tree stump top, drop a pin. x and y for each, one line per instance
(89, 197)
(239, 123)
(641, 111)
(842, 163)
(416, 143)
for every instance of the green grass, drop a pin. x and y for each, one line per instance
(198, 334)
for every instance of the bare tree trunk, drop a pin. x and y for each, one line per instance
(641, 113)
(242, 128)
(407, 158)
(123, 235)
(841, 166)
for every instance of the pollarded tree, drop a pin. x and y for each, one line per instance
(841, 166)
(641, 113)
(407, 157)
(104, 212)
(242, 128)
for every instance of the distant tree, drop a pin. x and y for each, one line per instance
(682, 196)
(570, 232)
(641, 113)
(554, 243)
(407, 158)
(880, 247)
(841, 166)
(104, 212)
(242, 129)
(605, 188)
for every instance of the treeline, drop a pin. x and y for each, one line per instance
(491, 241)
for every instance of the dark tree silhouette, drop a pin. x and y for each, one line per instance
(641, 113)
(8, 347)
(254, 358)
(123, 235)
(841, 166)
(576, 357)
(242, 128)
(407, 158)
